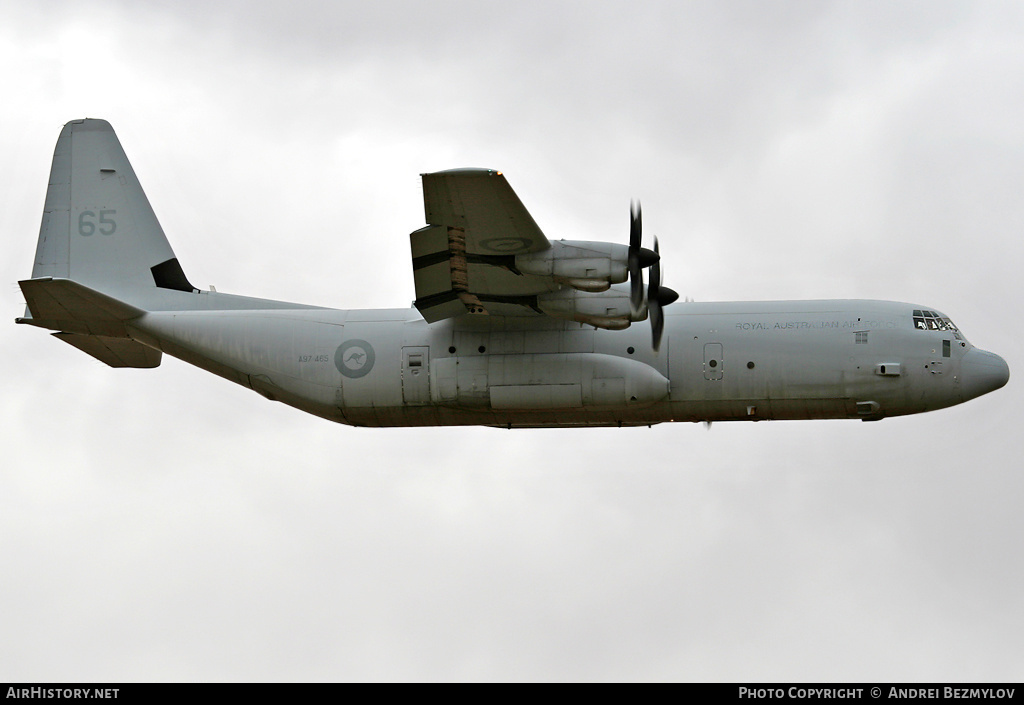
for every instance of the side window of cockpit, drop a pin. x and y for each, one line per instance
(927, 320)
(933, 320)
(948, 325)
(919, 320)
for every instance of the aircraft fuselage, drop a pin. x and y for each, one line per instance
(718, 362)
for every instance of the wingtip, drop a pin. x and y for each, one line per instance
(89, 124)
(466, 171)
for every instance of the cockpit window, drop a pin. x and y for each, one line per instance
(932, 320)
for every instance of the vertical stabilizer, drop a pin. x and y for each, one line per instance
(98, 227)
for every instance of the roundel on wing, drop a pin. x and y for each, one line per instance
(506, 244)
(354, 358)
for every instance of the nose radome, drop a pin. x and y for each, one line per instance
(982, 372)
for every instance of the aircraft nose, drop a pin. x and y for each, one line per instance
(982, 372)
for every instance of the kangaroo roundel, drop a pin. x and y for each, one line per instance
(354, 358)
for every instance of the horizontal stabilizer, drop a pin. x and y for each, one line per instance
(116, 352)
(70, 307)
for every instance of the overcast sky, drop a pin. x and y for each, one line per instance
(168, 525)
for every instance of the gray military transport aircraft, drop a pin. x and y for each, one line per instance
(508, 329)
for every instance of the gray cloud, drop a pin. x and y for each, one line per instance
(166, 525)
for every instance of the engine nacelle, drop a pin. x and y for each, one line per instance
(583, 265)
(608, 309)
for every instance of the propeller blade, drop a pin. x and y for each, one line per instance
(635, 225)
(657, 324)
(636, 275)
(654, 301)
(658, 297)
(639, 258)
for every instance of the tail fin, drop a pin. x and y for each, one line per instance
(98, 228)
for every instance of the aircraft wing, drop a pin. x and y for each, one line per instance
(464, 259)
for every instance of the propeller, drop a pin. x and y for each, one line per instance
(658, 297)
(639, 258)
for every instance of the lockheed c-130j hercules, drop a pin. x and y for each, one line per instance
(508, 329)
